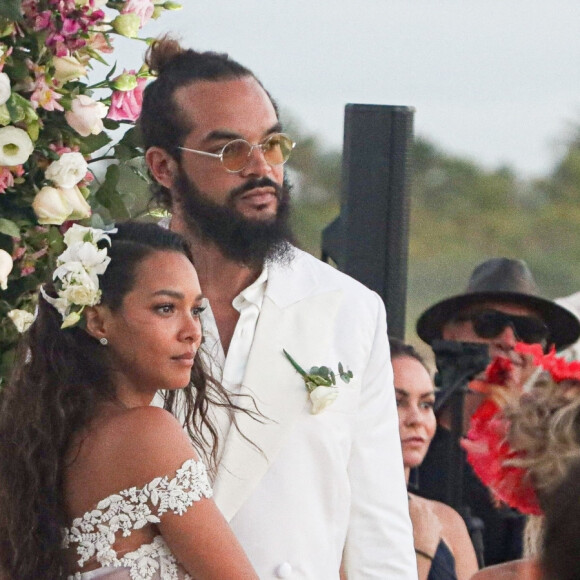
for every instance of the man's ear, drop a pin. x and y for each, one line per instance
(162, 165)
(96, 321)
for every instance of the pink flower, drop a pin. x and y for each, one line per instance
(45, 97)
(6, 179)
(18, 252)
(99, 41)
(143, 9)
(126, 105)
(42, 20)
(70, 27)
(60, 149)
(85, 116)
(57, 43)
(27, 270)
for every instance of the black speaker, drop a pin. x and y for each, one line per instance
(369, 240)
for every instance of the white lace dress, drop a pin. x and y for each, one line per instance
(94, 534)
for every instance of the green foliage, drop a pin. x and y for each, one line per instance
(11, 10)
(462, 214)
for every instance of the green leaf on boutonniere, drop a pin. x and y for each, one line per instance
(294, 363)
(319, 376)
(345, 376)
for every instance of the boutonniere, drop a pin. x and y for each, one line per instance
(320, 383)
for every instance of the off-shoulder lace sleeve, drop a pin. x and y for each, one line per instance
(94, 534)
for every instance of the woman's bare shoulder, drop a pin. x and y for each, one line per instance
(454, 533)
(145, 436)
(122, 449)
(446, 514)
(515, 570)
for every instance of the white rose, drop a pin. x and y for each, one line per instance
(51, 206)
(21, 319)
(80, 208)
(86, 115)
(321, 397)
(5, 89)
(78, 286)
(6, 265)
(67, 171)
(81, 294)
(15, 146)
(68, 68)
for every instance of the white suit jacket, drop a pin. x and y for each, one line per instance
(319, 483)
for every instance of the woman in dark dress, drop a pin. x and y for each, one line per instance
(442, 544)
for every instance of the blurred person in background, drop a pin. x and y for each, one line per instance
(534, 466)
(500, 306)
(442, 544)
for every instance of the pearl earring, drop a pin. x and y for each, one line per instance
(103, 341)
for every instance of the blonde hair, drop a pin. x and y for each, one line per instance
(544, 429)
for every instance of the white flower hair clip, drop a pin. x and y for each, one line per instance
(76, 275)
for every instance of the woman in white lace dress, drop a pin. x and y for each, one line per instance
(94, 482)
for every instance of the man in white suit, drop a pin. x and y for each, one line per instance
(319, 496)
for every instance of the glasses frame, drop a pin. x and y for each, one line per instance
(252, 146)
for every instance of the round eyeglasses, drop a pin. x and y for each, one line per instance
(235, 155)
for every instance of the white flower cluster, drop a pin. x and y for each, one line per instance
(78, 268)
(54, 205)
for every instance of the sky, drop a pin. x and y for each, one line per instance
(496, 82)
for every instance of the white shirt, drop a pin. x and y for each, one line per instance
(231, 369)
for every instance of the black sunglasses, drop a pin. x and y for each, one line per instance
(491, 323)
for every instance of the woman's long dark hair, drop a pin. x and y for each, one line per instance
(58, 382)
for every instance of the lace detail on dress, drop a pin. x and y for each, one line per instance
(94, 533)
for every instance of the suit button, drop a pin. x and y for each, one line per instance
(284, 570)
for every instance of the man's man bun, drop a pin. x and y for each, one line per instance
(162, 52)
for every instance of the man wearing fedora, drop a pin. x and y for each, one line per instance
(501, 306)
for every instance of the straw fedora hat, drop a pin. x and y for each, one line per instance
(508, 281)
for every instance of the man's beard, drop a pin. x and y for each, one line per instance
(246, 241)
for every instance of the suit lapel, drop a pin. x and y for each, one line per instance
(303, 328)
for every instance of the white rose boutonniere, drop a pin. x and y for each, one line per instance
(320, 383)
